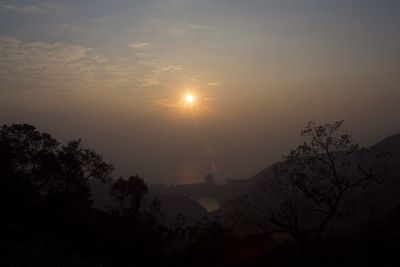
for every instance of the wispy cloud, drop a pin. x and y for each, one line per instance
(69, 28)
(161, 29)
(178, 28)
(59, 66)
(30, 8)
(172, 67)
(213, 84)
(139, 45)
(159, 72)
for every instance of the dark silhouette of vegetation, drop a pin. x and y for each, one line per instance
(48, 217)
(319, 181)
(45, 195)
(129, 194)
(324, 180)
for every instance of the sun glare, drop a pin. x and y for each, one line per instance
(189, 99)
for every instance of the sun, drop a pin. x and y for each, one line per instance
(189, 99)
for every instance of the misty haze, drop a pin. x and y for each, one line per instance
(200, 133)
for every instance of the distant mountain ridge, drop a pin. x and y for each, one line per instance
(390, 143)
(387, 195)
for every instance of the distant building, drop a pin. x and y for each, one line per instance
(209, 178)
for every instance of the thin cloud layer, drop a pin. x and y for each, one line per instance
(40, 64)
(258, 69)
(139, 45)
(30, 8)
(27, 64)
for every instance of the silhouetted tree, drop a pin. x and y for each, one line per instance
(35, 162)
(135, 229)
(208, 241)
(27, 158)
(320, 180)
(45, 194)
(324, 179)
(77, 167)
(129, 194)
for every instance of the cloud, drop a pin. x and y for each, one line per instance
(178, 28)
(61, 67)
(48, 66)
(172, 67)
(151, 28)
(159, 72)
(139, 45)
(69, 28)
(213, 84)
(39, 8)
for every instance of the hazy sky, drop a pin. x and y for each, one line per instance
(115, 74)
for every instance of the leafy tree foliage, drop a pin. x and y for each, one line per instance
(129, 194)
(34, 164)
(322, 181)
(48, 218)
